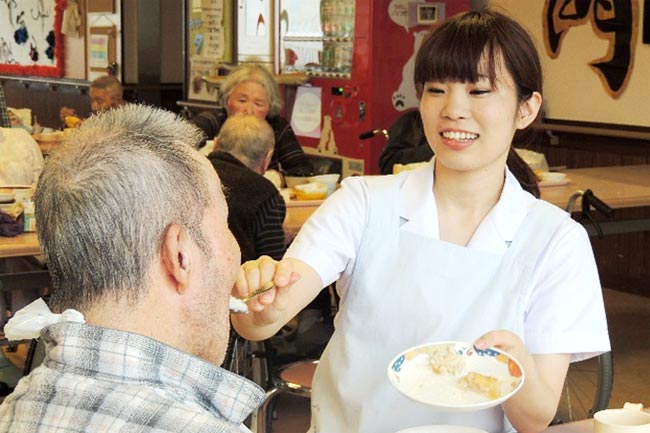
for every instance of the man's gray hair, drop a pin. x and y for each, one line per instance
(257, 74)
(111, 84)
(106, 197)
(248, 138)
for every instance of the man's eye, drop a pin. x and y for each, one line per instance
(479, 92)
(434, 90)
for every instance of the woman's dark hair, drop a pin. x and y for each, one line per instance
(453, 52)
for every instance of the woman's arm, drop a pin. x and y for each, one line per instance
(297, 285)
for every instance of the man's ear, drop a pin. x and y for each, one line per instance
(176, 256)
(267, 161)
(528, 110)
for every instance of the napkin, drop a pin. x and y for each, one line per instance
(28, 322)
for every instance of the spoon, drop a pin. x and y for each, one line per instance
(239, 305)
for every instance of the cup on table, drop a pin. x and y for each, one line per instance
(630, 419)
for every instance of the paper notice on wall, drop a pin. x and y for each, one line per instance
(212, 6)
(201, 67)
(98, 51)
(306, 115)
(213, 37)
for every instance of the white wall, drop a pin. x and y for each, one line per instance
(572, 89)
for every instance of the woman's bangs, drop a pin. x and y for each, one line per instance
(455, 54)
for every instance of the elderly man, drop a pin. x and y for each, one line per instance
(105, 93)
(133, 225)
(257, 210)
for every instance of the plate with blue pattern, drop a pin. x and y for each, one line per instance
(455, 376)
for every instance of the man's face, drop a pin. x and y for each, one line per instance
(103, 99)
(210, 314)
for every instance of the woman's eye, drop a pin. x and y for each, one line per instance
(434, 90)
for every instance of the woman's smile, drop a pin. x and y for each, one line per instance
(458, 139)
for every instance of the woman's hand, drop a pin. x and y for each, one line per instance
(255, 273)
(296, 285)
(507, 341)
(532, 409)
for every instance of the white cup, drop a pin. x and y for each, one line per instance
(630, 419)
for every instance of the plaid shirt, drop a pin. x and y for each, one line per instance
(103, 380)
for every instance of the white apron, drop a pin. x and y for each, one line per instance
(407, 290)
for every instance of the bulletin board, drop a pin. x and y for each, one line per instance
(30, 37)
(208, 38)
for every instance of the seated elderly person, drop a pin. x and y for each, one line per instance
(251, 89)
(105, 92)
(406, 143)
(133, 226)
(256, 208)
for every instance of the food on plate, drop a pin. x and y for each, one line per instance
(486, 385)
(444, 360)
(311, 191)
(72, 122)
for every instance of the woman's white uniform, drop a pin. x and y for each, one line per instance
(528, 268)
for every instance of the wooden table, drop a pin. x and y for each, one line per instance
(619, 187)
(297, 213)
(22, 245)
(584, 426)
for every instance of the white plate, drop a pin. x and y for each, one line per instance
(411, 373)
(441, 429)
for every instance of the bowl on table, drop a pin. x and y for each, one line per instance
(292, 181)
(328, 180)
(311, 191)
(6, 195)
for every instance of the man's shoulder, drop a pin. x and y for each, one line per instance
(76, 398)
(237, 177)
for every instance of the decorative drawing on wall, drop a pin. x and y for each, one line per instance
(30, 37)
(613, 20)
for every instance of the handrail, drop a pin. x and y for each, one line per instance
(48, 82)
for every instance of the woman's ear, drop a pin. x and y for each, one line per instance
(528, 110)
(176, 256)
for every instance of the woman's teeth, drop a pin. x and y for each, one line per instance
(457, 135)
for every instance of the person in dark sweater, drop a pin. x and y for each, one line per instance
(251, 89)
(256, 209)
(406, 143)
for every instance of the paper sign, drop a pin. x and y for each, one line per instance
(98, 51)
(306, 115)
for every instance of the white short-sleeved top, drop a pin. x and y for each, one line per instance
(565, 313)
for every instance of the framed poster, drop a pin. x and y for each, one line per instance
(101, 48)
(30, 38)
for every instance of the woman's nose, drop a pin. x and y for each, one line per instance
(248, 109)
(455, 106)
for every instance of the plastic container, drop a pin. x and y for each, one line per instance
(29, 219)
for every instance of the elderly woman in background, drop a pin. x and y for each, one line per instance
(251, 89)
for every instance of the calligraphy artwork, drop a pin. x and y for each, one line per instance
(30, 37)
(613, 20)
